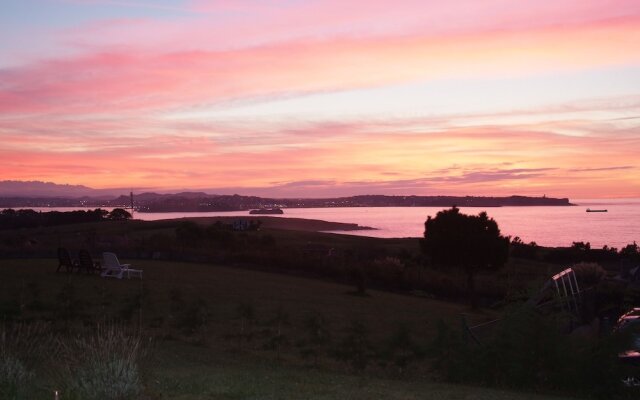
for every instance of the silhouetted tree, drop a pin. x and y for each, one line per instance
(470, 242)
(523, 250)
(581, 246)
(27, 218)
(119, 214)
(631, 252)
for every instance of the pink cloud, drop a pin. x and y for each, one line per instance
(108, 82)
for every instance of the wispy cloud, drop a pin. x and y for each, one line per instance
(602, 169)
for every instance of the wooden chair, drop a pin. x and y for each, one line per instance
(64, 260)
(85, 262)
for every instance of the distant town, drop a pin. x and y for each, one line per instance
(202, 202)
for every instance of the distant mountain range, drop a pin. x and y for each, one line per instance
(46, 194)
(49, 189)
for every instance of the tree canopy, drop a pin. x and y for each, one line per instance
(470, 242)
(27, 218)
(119, 214)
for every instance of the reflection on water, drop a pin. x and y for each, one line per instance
(547, 226)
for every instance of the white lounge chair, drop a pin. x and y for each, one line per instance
(113, 269)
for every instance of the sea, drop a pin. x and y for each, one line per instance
(546, 225)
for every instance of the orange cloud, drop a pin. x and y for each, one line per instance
(482, 160)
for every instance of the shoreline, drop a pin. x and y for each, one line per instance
(285, 223)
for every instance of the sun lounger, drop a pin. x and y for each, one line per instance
(111, 268)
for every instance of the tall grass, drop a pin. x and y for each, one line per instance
(23, 348)
(102, 365)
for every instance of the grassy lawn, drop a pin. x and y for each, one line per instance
(224, 289)
(180, 371)
(210, 364)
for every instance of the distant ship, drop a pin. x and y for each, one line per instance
(590, 210)
(267, 211)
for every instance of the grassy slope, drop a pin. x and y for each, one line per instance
(224, 288)
(225, 376)
(216, 371)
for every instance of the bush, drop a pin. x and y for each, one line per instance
(119, 214)
(528, 351)
(588, 274)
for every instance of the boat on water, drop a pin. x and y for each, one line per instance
(267, 211)
(590, 210)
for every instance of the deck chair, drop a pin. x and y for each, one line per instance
(65, 261)
(85, 262)
(111, 268)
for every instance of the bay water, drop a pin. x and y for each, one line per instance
(547, 226)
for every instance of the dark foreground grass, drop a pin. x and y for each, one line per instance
(210, 362)
(181, 371)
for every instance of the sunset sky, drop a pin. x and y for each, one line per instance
(324, 98)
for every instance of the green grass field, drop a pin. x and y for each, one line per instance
(188, 373)
(235, 331)
(224, 289)
(211, 363)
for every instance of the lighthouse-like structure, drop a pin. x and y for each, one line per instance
(131, 196)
